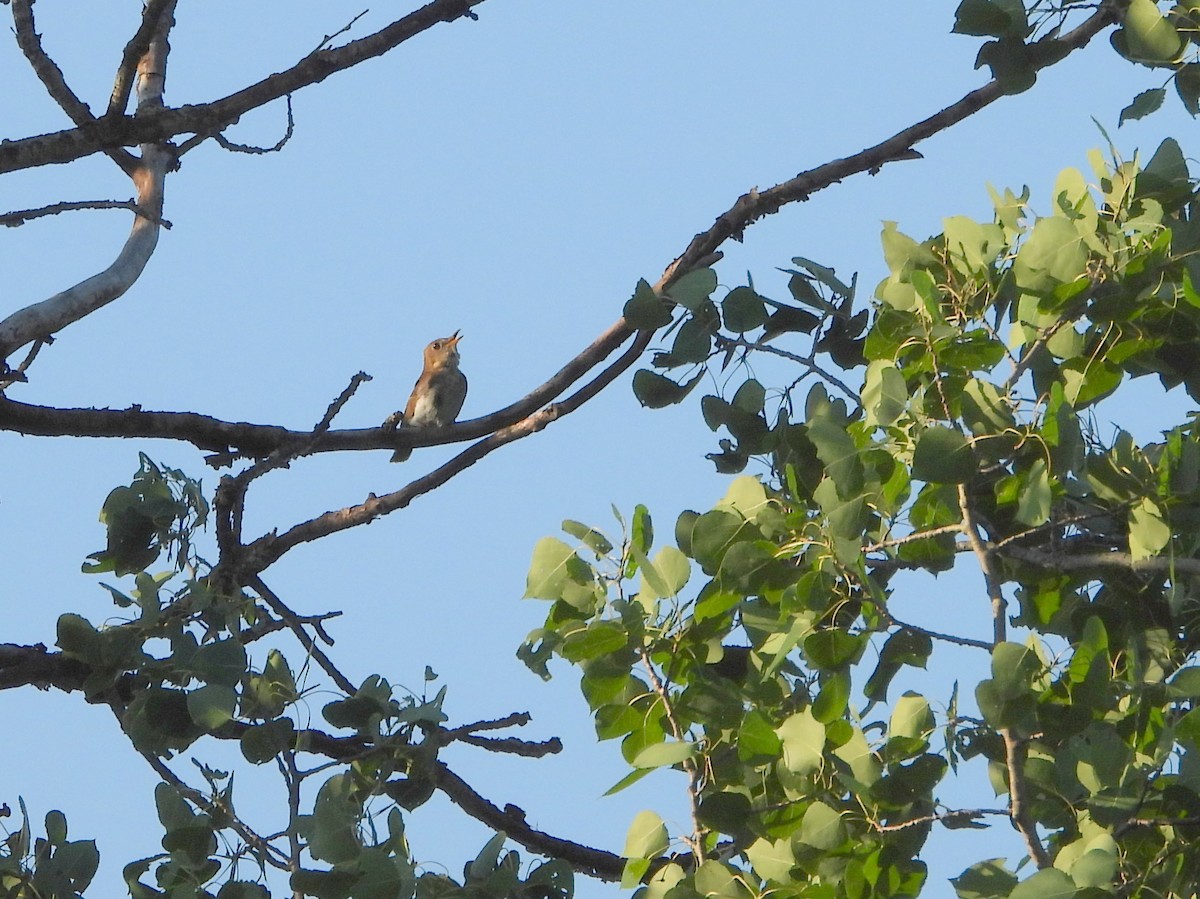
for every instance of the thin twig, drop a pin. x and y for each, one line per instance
(292, 778)
(227, 144)
(325, 41)
(16, 219)
(310, 645)
(1015, 748)
(935, 635)
(267, 852)
(695, 776)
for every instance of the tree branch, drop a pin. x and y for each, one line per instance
(55, 83)
(16, 219)
(134, 51)
(162, 125)
(40, 320)
(584, 859)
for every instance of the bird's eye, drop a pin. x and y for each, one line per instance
(437, 344)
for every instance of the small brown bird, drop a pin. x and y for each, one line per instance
(438, 395)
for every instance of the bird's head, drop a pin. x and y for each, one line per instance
(443, 352)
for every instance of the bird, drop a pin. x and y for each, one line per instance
(438, 395)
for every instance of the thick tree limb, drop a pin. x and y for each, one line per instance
(41, 320)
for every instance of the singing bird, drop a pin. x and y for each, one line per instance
(438, 395)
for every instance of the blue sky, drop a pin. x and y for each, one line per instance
(512, 177)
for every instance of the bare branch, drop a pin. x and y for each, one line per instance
(41, 320)
(584, 859)
(280, 608)
(118, 131)
(264, 849)
(1060, 561)
(134, 51)
(266, 550)
(256, 151)
(56, 85)
(16, 219)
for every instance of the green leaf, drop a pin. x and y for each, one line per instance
(673, 569)
(757, 738)
(985, 880)
(212, 705)
(324, 884)
(1186, 683)
(726, 811)
(173, 811)
(262, 742)
(661, 755)
(981, 18)
(943, 456)
(222, 662)
(830, 704)
(884, 393)
(645, 311)
(1033, 504)
(822, 827)
(1187, 85)
(692, 289)
(1049, 883)
(772, 860)
(803, 738)
(656, 391)
(599, 638)
(743, 310)
(1149, 37)
(1148, 533)
(911, 717)
(904, 647)
(548, 572)
(832, 648)
(589, 537)
(647, 837)
(1143, 104)
(1053, 254)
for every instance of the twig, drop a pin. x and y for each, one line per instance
(292, 778)
(584, 859)
(935, 635)
(1015, 749)
(345, 28)
(229, 502)
(267, 852)
(694, 775)
(809, 361)
(16, 219)
(227, 144)
(273, 625)
(310, 645)
(914, 536)
(11, 376)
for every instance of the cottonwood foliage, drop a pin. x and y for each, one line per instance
(757, 652)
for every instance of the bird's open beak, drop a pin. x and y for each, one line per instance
(456, 337)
